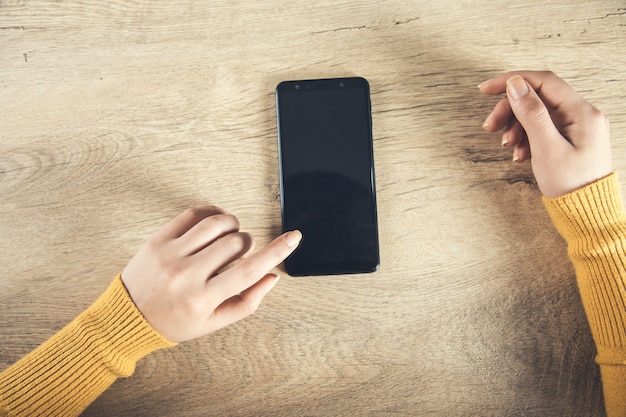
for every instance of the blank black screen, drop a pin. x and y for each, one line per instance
(327, 175)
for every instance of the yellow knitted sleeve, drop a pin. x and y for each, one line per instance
(71, 369)
(593, 222)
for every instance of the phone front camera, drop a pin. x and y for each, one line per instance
(340, 84)
(297, 87)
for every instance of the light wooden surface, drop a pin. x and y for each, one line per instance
(115, 116)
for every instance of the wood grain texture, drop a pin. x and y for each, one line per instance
(116, 116)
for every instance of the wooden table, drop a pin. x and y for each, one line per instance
(118, 115)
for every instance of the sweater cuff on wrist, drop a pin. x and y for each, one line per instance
(120, 334)
(595, 211)
(67, 372)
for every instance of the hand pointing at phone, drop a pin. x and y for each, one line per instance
(179, 286)
(178, 281)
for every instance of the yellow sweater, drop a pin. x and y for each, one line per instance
(65, 374)
(71, 369)
(593, 223)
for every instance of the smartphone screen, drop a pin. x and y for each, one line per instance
(327, 175)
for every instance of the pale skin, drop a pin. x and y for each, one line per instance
(179, 278)
(544, 117)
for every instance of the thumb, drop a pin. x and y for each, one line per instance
(532, 114)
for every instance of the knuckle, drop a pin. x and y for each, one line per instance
(549, 74)
(220, 222)
(153, 246)
(193, 306)
(192, 213)
(237, 242)
(535, 110)
(159, 255)
(250, 271)
(597, 115)
(208, 208)
(278, 253)
(208, 223)
(172, 270)
(546, 76)
(199, 212)
(274, 253)
(250, 307)
(596, 118)
(231, 219)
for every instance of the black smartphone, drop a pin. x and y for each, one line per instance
(327, 187)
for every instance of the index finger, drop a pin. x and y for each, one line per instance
(248, 272)
(554, 91)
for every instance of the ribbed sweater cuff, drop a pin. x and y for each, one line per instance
(71, 369)
(593, 223)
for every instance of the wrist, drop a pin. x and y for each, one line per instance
(120, 327)
(597, 206)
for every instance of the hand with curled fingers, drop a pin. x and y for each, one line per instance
(543, 118)
(178, 278)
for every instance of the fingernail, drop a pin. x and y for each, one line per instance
(505, 140)
(516, 87)
(481, 85)
(487, 121)
(293, 238)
